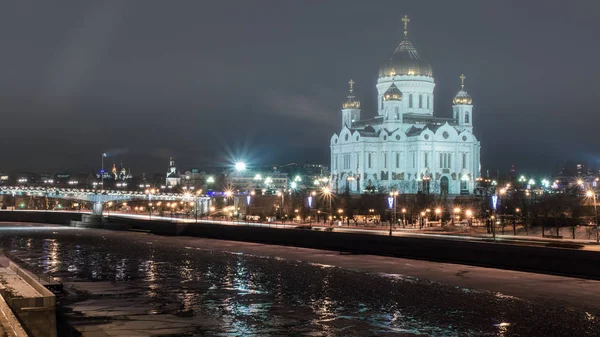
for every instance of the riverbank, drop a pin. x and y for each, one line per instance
(551, 257)
(137, 284)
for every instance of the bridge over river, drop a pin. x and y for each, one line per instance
(101, 197)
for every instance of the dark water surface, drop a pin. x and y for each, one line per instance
(257, 296)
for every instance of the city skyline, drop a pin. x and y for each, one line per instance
(208, 85)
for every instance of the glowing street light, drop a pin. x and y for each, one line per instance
(327, 194)
(240, 166)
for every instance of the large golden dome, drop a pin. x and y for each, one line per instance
(405, 61)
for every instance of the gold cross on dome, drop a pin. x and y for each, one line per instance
(351, 82)
(462, 81)
(406, 20)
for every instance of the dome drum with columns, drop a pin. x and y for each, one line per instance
(405, 147)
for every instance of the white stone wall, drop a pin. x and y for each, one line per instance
(350, 158)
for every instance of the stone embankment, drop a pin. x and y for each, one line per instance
(571, 260)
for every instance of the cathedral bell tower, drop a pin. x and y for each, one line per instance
(350, 108)
(393, 108)
(463, 107)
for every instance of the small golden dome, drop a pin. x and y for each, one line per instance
(462, 98)
(392, 94)
(351, 101)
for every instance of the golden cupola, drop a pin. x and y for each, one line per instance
(392, 94)
(351, 101)
(462, 97)
(406, 59)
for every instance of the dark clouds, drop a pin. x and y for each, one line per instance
(206, 81)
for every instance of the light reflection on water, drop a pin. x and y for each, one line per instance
(264, 296)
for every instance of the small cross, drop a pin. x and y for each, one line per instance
(351, 85)
(462, 81)
(406, 20)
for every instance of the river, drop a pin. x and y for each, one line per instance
(151, 285)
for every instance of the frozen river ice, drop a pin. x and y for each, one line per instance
(134, 284)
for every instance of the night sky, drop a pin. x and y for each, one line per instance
(210, 81)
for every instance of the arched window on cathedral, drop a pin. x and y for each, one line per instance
(381, 102)
(397, 113)
(467, 117)
(410, 103)
(428, 100)
(420, 101)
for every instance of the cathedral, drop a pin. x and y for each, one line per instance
(405, 147)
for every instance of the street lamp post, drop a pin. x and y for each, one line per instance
(395, 195)
(327, 193)
(282, 195)
(102, 171)
(592, 194)
(310, 200)
(456, 214)
(150, 192)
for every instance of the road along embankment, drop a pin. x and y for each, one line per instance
(540, 259)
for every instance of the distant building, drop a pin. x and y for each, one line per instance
(267, 181)
(173, 177)
(193, 178)
(4, 178)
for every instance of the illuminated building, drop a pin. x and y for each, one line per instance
(173, 177)
(406, 147)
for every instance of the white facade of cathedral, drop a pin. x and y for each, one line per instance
(406, 148)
